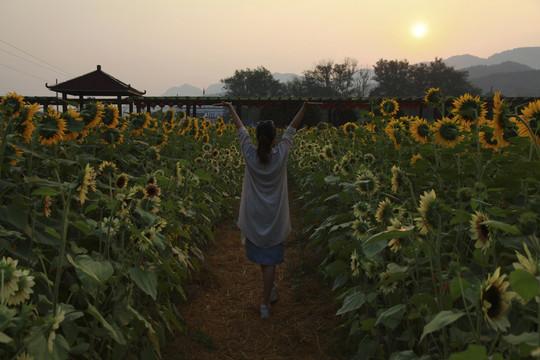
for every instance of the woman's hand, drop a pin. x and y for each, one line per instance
(224, 104)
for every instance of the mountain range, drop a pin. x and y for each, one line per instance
(514, 72)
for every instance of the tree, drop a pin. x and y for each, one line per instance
(392, 77)
(328, 79)
(398, 79)
(258, 82)
(361, 83)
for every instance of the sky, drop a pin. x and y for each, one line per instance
(158, 44)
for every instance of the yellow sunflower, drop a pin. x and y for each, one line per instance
(11, 104)
(51, 128)
(328, 152)
(361, 228)
(487, 136)
(430, 212)
(496, 300)
(361, 209)
(505, 126)
(74, 124)
(468, 109)
(109, 117)
(446, 132)
(91, 114)
(111, 137)
(395, 244)
(480, 232)
(420, 130)
(47, 202)
(25, 283)
(531, 115)
(107, 168)
(121, 181)
(139, 122)
(398, 178)
(88, 182)
(349, 128)
(395, 132)
(389, 107)
(355, 263)
(367, 182)
(433, 97)
(526, 263)
(12, 154)
(415, 158)
(386, 211)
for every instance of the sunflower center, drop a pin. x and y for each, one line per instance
(493, 296)
(449, 131)
(423, 130)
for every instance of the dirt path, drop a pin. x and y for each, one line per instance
(222, 314)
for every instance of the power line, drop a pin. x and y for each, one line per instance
(43, 61)
(23, 72)
(35, 63)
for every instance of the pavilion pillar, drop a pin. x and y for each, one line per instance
(81, 102)
(64, 104)
(188, 109)
(119, 105)
(194, 110)
(130, 106)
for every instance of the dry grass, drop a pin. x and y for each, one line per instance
(222, 314)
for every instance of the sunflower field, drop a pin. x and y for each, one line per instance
(429, 227)
(102, 221)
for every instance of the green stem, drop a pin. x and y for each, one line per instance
(64, 227)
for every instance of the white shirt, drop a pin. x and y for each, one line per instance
(264, 206)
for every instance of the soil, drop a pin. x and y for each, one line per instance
(221, 316)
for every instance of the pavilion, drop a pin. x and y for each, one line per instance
(96, 83)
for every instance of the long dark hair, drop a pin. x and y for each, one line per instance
(266, 134)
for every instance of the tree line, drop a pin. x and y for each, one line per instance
(393, 78)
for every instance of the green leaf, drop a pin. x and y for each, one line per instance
(441, 320)
(512, 229)
(82, 226)
(473, 352)
(146, 280)
(203, 175)
(45, 191)
(352, 302)
(391, 317)
(336, 268)
(456, 286)
(116, 335)
(529, 338)
(52, 232)
(460, 216)
(141, 319)
(404, 355)
(90, 270)
(524, 283)
(374, 248)
(389, 234)
(15, 216)
(4, 339)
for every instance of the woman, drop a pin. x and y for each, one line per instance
(264, 206)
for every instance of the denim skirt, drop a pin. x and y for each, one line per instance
(269, 256)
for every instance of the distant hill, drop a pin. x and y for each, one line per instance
(459, 62)
(511, 84)
(529, 56)
(504, 67)
(184, 90)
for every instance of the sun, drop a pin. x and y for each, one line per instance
(419, 30)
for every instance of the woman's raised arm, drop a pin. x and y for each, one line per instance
(298, 117)
(236, 118)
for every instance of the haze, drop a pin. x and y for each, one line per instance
(154, 45)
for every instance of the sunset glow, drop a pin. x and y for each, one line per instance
(419, 30)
